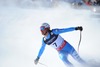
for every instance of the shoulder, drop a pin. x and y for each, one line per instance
(55, 31)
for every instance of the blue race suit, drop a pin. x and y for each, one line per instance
(64, 49)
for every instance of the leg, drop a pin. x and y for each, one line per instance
(63, 57)
(76, 56)
(70, 49)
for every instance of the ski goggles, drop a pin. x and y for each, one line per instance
(42, 28)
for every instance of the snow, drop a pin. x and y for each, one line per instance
(20, 37)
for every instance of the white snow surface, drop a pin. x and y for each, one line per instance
(21, 39)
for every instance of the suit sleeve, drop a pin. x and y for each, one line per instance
(41, 49)
(63, 30)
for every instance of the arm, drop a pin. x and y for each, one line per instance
(40, 52)
(41, 49)
(63, 30)
(59, 31)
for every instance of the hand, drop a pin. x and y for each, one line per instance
(79, 28)
(36, 60)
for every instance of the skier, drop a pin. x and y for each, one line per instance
(52, 38)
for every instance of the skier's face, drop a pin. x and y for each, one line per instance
(44, 30)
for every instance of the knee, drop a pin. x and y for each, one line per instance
(61, 56)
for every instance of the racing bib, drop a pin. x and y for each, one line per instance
(58, 42)
(55, 40)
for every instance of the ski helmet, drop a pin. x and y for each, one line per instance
(44, 26)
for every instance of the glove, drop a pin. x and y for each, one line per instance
(79, 28)
(36, 60)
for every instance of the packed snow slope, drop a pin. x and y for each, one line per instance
(20, 36)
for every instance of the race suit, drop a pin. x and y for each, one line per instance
(63, 48)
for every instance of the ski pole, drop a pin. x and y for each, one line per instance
(79, 41)
(42, 64)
